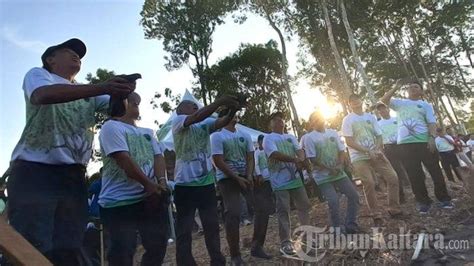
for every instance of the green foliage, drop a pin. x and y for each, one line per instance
(386, 44)
(166, 103)
(256, 71)
(101, 75)
(186, 29)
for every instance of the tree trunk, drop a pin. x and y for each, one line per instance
(441, 82)
(295, 121)
(390, 46)
(355, 54)
(407, 52)
(415, 46)
(453, 110)
(202, 80)
(465, 46)
(446, 111)
(461, 74)
(340, 65)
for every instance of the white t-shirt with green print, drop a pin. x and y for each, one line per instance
(364, 129)
(193, 152)
(261, 164)
(140, 143)
(443, 145)
(234, 146)
(325, 148)
(283, 175)
(389, 129)
(57, 133)
(413, 118)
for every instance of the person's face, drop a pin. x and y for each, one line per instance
(133, 103)
(317, 121)
(441, 133)
(277, 124)
(65, 58)
(236, 118)
(384, 111)
(414, 90)
(450, 131)
(355, 104)
(189, 108)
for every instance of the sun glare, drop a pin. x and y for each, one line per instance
(308, 101)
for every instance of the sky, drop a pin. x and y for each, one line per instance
(115, 41)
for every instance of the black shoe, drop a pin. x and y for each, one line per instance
(237, 261)
(259, 253)
(287, 249)
(402, 199)
(354, 230)
(378, 222)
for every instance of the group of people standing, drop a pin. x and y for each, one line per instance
(47, 186)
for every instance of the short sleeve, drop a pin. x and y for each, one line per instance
(377, 128)
(295, 143)
(309, 147)
(250, 147)
(102, 103)
(209, 122)
(178, 123)
(450, 138)
(438, 143)
(430, 116)
(157, 150)
(112, 139)
(217, 144)
(35, 78)
(340, 145)
(257, 166)
(347, 127)
(269, 146)
(395, 103)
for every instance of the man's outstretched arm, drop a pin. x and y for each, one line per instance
(62, 93)
(207, 111)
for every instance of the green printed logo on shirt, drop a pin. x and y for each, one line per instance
(67, 126)
(141, 152)
(412, 124)
(327, 152)
(364, 133)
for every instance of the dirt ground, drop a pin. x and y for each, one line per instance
(455, 224)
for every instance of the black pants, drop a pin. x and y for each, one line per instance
(264, 206)
(187, 200)
(412, 155)
(231, 191)
(450, 162)
(122, 224)
(48, 207)
(392, 152)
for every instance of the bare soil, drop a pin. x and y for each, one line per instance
(454, 224)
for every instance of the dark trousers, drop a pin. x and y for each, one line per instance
(203, 198)
(450, 162)
(48, 207)
(231, 191)
(392, 152)
(122, 224)
(412, 155)
(264, 206)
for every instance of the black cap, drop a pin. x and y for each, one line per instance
(277, 114)
(74, 44)
(380, 104)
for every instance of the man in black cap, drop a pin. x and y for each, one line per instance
(47, 188)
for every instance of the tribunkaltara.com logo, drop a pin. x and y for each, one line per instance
(311, 243)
